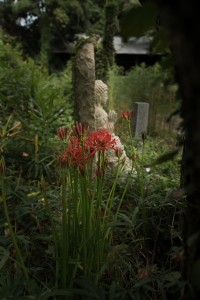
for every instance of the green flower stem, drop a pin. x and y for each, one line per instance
(99, 241)
(98, 246)
(100, 180)
(18, 252)
(76, 217)
(140, 173)
(55, 235)
(96, 240)
(140, 178)
(64, 237)
(111, 194)
(124, 192)
(74, 223)
(84, 222)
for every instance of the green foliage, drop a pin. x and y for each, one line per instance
(51, 102)
(39, 102)
(151, 84)
(101, 63)
(148, 241)
(26, 87)
(95, 17)
(29, 22)
(15, 86)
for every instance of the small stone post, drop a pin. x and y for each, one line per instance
(140, 120)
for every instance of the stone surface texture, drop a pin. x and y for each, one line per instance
(84, 81)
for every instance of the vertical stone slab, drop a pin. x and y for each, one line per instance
(84, 81)
(140, 120)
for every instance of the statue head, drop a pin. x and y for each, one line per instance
(100, 92)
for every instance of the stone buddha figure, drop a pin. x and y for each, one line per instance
(104, 120)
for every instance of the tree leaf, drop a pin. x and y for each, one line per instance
(138, 20)
(4, 256)
(48, 294)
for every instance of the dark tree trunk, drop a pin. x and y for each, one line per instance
(111, 27)
(182, 19)
(105, 56)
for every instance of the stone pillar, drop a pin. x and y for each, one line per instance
(84, 81)
(140, 120)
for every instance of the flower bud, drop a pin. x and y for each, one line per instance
(127, 115)
(118, 152)
(133, 156)
(100, 172)
(79, 129)
(62, 133)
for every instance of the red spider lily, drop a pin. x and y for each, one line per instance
(76, 155)
(127, 115)
(62, 133)
(79, 152)
(79, 130)
(100, 140)
(75, 142)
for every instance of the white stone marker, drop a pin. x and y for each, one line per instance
(140, 119)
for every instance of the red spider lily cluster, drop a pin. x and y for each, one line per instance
(82, 146)
(100, 140)
(80, 130)
(127, 115)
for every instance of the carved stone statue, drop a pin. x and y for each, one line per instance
(104, 120)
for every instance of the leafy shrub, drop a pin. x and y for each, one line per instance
(39, 102)
(15, 80)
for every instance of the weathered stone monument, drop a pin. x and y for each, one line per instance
(84, 81)
(140, 120)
